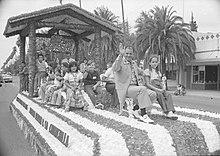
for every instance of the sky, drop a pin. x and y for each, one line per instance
(205, 12)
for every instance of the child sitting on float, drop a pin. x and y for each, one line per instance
(57, 84)
(59, 95)
(73, 81)
(45, 82)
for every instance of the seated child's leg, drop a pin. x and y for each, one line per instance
(68, 99)
(36, 82)
(59, 97)
(90, 92)
(54, 97)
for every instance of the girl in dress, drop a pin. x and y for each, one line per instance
(45, 83)
(56, 85)
(153, 81)
(73, 81)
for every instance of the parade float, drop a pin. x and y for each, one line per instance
(51, 131)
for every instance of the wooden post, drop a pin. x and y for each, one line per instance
(32, 57)
(191, 80)
(77, 50)
(97, 49)
(22, 59)
(218, 76)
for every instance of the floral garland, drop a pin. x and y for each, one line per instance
(79, 128)
(177, 142)
(157, 135)
(44, 144)
(152, 130)
(188, 137)
(212, 139)
(55, 144)
(110, 140)
(199, 114)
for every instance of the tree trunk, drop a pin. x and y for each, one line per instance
(163, 67)
(77, 50)
(164, 70)
(97, 49)
(32, 57)
(182, 75)
(22, 59)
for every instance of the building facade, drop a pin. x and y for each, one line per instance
(203, 72)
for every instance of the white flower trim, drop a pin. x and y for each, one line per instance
(111, 142)
(84, 144)
(159, 136)
(194, 111)
(198, 112)
(207, 128)
(25, 93)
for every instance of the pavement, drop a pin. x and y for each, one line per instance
(189, 92)
(12, 141)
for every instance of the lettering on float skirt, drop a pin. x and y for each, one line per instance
(55, 131)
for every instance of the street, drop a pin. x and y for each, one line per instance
(12, 141)
(198, 102)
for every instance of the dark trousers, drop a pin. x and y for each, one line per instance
(24, 82)
(110, 87)
(92, 93)
(165, 101)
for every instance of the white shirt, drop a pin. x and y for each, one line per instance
(57, 82)
(109, 74)
(73, 77)
(68, 60)
(41, 66)
(153, 74)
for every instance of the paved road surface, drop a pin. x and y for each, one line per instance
(12, 141)
(198, 102)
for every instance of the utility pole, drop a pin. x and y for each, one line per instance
(80, 4)
(123, 19)
(183, 10)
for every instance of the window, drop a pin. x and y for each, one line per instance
(211, 74)
(201, 76)
(195, 74)
(198, 74)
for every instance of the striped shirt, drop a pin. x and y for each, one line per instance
(41, 66)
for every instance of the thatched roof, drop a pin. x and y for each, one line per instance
(63, 14)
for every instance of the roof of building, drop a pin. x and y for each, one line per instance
(213, 61)
(68, 14)
(205, 36)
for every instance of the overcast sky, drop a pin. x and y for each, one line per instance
(206, 13)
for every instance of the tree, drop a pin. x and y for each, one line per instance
(109, 43)
(193, 25)
(11, 56)
(163, 33)
(105, 13)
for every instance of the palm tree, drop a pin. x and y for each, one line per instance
(163, 33)
(105, 13)
(109, 43)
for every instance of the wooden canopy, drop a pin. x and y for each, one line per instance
(77, 22)
(68, 21)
